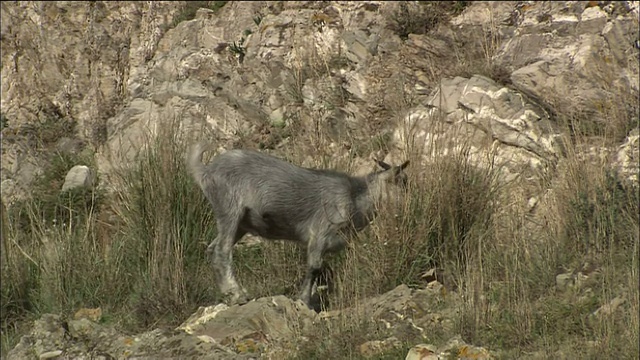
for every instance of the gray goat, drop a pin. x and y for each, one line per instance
(255, 193)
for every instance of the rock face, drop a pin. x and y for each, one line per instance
(254, 327)
(52, 336)
(455, 348)
(574, 55)
(119, 71)
(488, 118)
(628, 156)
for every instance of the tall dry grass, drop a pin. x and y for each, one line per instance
(152, 268)
(149, 268)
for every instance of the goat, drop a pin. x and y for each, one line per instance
(251, 192)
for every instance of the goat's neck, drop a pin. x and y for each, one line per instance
(375, 194)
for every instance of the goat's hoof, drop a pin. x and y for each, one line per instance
(241, 300)
(237, 299)
(313, 303)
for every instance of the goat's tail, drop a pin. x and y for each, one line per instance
(194, 162)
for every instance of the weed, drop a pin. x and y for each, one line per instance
(188, 12)
(257, 19)
(166, 226)
(48, 205)
(599, 211)
(50, 127)
(4, 122)
(237, 49)
(421, 18)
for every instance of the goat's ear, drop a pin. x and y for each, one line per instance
(383, 164)
(404, 165)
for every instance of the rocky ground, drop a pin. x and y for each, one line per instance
(270, 327)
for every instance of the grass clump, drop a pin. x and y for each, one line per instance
(4, 121)
(48, 205)
(189, 9)
(420, 18)
(48, 247)
(166, 224)
(600, 213)
(148, 269)
(591, 229)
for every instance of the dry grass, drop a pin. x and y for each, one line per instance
(153, 270)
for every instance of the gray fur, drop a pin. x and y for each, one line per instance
(255, 193)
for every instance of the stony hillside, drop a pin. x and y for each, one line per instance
(520, 118)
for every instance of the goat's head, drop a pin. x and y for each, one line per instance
(394, 174)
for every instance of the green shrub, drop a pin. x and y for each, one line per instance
(4, 122)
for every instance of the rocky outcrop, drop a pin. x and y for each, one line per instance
(54, 337)
(249, 70)
(455, 348)
(498, 124)
(216, 332)
(627, 157)
(270, 327)
(575, 56)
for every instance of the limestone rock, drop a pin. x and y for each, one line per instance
(250, 326)
(216, 332)
(627, 158)
(499, 125)
(455, 348)
(422, 352)
(376, 347)
(577, 57)
(80, 176)
(609, 308)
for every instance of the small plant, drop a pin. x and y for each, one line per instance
(257, 19)
(190, 9)
(51, 126)
(299, 76)
(422, 17)
(238, 50)
(48, 205)
(166, 223)
(4, 122)
(217, 5)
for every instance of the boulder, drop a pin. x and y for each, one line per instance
(214, 332)
(500, 126)
(80, 176)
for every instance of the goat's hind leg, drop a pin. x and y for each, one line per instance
(221, 253)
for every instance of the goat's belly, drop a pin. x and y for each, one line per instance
(278, 232)
(270, 228)
(275, 235)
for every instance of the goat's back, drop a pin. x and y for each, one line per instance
(281, 192)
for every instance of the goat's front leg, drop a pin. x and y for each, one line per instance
(314, 268)
(221, 252)
(316, 248)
